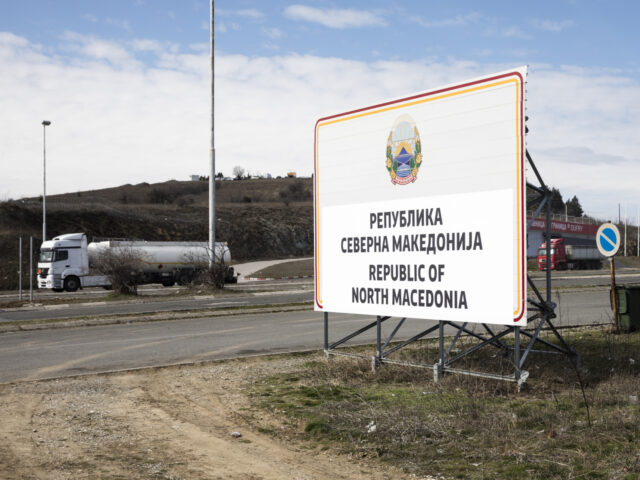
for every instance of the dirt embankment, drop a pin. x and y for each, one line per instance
(170, 423)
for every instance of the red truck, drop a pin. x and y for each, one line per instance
(567, 256)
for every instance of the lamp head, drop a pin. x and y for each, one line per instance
(46, 123)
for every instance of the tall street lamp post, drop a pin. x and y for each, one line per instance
(45, 124)
(212, 155)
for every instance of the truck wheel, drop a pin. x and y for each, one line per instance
(183, 278)
(231, 277)
(168, 283)
(71, 284)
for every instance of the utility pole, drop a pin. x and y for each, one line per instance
(20, 269)
(31, 269)
(212, 155)
(625, 230)
(45, 124)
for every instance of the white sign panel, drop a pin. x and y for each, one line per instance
(420, 207)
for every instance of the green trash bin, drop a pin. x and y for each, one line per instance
(628, 307)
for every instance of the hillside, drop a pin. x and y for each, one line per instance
(259, 218)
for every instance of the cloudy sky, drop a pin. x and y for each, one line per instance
(125, 84)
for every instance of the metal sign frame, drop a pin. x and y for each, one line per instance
(541, 312)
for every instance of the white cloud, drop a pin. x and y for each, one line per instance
(273, 33)
(457, 21)
(98, 49)
(507, 32)
(335, 18)
(552, 25)
(118, 23)
(145, 45)
(90, 17)
(250, 13)
(117, 120)
(224, 27)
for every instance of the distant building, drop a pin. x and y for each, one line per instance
(195, 178)
(578, 233)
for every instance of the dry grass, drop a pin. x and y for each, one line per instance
(288, 269)
(467, 427)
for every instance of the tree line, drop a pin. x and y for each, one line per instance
(559, 206)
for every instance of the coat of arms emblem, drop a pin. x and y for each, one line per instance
(404, 154)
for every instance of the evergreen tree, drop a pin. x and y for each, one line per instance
(557, 204)
(574, 208)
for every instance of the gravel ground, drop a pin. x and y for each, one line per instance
(169, 423)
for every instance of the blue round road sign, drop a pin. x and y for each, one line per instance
(608, 239)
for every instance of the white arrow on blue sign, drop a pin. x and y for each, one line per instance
(608, 239)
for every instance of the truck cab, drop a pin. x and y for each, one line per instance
(63, 261)
(557, 255)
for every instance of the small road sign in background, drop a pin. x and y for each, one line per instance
(608, 239)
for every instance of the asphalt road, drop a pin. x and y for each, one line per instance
(261, 293)
(582, 278)
(73, 310)
(68, 351)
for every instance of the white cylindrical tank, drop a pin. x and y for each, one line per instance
(164, 256)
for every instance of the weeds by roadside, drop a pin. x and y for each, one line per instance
(468, 427)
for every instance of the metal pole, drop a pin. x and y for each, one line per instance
(31, 269)
(20, 269)
(326, 331)
(45, 124)
(441, 342)
(548, 234)
(517, 352)
(625, 230)
(638, 233)
(378, 337)
(44, 182)
(212, 166)
(614, 299)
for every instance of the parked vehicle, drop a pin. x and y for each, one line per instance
(565, 255)
(66, 261)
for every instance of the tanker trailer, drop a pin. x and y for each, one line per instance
(65, 261)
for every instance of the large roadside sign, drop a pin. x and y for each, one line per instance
(420, 205)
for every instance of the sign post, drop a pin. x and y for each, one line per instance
(608, 242)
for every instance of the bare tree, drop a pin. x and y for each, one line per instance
(123, 266)
(205, 275)
(238, 172)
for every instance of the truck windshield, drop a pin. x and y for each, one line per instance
(46, 255)
(542, 252)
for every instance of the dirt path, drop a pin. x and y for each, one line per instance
(170, 423)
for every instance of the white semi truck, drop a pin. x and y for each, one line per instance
(66, 261)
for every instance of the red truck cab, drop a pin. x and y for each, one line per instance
(557, 257)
